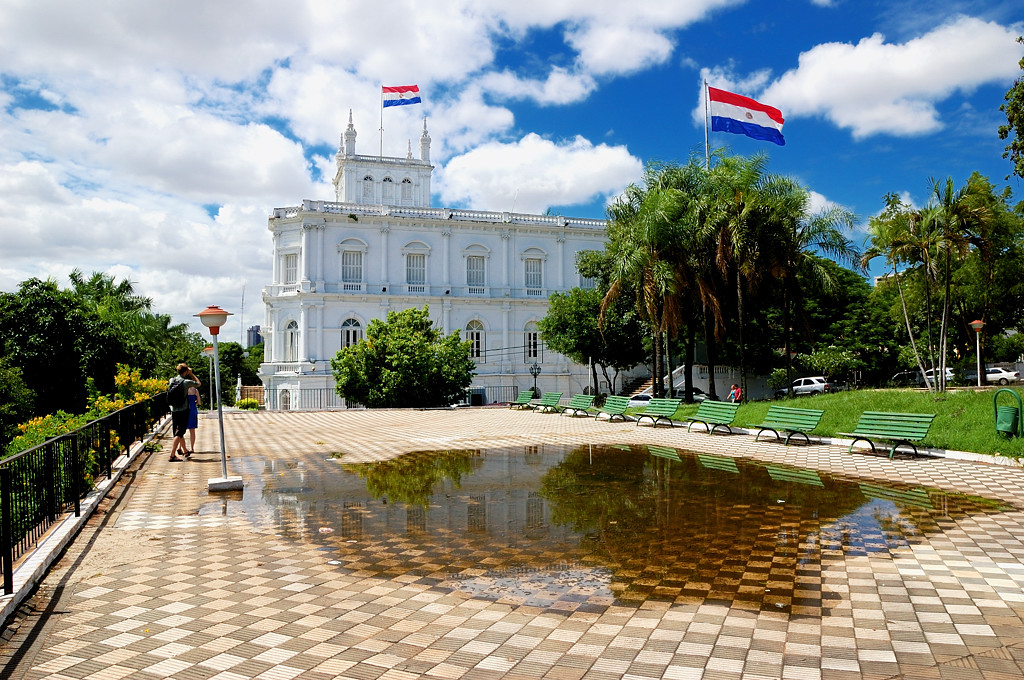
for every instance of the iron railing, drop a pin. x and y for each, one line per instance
(41, 484)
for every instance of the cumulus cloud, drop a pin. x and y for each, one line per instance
(874, 87)
(536, 173)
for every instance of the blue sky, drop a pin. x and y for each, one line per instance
(152, 141)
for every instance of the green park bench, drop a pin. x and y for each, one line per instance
(791, 421)
(785, 473)
(659, 409)
(714, 414)
(522, 400)
(917, 497)
(898, 428)
(580, 403)
(548, 403)
(614, 406)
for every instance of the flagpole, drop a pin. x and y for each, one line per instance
(381, 155)
(707, 146)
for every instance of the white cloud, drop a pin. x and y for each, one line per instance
(536, 173)
(875, 87)
(560, 87)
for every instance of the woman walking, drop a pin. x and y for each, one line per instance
(193, 419)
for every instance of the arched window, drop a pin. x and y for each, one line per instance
(351, 332)
(286, 400)
(531, 343)
(388, 191)
(475, 335)
(368, 189)
(291, 341)
(406, 191)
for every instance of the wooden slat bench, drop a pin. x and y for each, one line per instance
(791, 421)
(898, 428)
(522, 400)
(580, 403)
(614, 406)
(659, 409)
(548, 403)
(714, 414)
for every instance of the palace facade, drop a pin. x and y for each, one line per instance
(380, 246)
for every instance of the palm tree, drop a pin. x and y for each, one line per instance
(799, 236)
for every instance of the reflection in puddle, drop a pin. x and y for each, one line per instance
(579, 529)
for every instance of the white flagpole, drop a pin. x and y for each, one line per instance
(381, 122)
(707, 146)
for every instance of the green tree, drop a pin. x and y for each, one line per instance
(572, 327)
(15, 402)
(58, 342)
(1014, 110)
(404, 362)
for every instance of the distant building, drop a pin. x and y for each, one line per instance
(381, 247)
(252, 336)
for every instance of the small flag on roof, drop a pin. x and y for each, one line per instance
(400, 95)
(741, 115)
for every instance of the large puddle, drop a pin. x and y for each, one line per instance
(581, 528)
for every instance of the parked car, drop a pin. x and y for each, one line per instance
(814, 385)
(906, 379)
(639, 400)
(698, 393)
(933, 374)
(993, 375)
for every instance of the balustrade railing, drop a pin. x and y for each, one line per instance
(41, 484)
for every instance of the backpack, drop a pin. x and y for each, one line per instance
(177, 395)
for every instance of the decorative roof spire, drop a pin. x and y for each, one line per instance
(350, 136)
(425, 143)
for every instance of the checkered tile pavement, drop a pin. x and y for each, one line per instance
(173, 582)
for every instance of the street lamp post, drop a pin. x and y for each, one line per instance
(977, 326)
(213, 317)
(535, 371)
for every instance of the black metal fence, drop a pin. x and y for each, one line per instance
(39, 485)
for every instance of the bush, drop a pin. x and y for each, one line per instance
(248, 404)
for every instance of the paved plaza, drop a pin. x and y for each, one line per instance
(170, 581)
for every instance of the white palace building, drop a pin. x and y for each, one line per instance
(380, 247)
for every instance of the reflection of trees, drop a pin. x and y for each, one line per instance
(410, 479)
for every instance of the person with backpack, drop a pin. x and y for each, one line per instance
(177, 399)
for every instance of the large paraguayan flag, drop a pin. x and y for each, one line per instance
(400, 95)
(742, 115)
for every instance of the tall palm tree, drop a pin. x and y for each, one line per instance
(956, 216)
(799, 236)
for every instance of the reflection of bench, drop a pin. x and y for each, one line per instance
(713, 462)
(549, 402)
(714, 414)
(614, 406)
(522, 400)
(664, 452)
(898, 428)
(917, 497)
(779, 473)
(659, 409)
(791, 420)
(580, 403)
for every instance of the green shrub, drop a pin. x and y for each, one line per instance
(248, 404)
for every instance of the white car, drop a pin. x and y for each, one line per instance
(933, 375)
(813, 385)
(1001, 376)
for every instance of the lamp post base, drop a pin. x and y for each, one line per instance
(224, 484)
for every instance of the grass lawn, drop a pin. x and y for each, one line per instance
(965, 419)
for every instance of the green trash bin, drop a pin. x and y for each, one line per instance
(1007, 420)
(1008, 417)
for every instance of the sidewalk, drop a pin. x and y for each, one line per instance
(170, 581)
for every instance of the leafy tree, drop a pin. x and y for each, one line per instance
(15, 401)
(572, 327)
(831, 361)
(1014, 110)
(58, 343)
(404, 362)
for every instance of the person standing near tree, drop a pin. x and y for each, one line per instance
(735, 394)
(177, 400)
